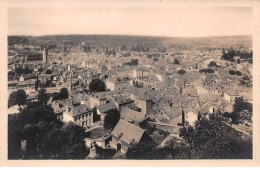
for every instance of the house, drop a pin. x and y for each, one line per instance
(24, 77)
(230, 95)
(80, 115)
(140, 73)
(97, 99)
(43, 78)
(12, 85)
(28, 85)
(103, 109)
(121, 101)
(125, 134)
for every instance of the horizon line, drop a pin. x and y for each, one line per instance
(162, 36)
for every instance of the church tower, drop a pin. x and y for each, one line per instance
(45, 55)
(69, 83)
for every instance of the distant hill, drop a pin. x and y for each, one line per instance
(148, 41)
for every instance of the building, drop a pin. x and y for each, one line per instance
(45, 56)
(230, 95)
(24, 77)
(28, 85)
(125, 134)
(34, 58)
(140, 73)
(103, 109)
(115, 83)
(80, 115)
(12, 85)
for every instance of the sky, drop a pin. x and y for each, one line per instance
(149, 21)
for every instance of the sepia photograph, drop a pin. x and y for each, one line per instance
(130, 83)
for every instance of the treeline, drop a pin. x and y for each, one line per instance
(232, 53)
(17, 40)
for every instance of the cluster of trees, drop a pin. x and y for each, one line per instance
(206, 70)
(242, 111)
(47, 137)
(231, 53)
(17, 40)
(17, 98)
(176, 61)
(155, 59)
(232, 72)
(212, 139)
(181, 72)
(245, 81)
(19, 71)
(208, 139)
(111, 119)
(97, 85)
(213, 64)
(64, 94)
(133, 62)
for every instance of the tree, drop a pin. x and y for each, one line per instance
(239, 106)
(42, 96)
(47, 137)
(63, 93)
(212, 139)
(17, 97)
(213, 64)
(48, 71)
(176, 61)
(181, 72)
(111, 119)
(97, 85)
(155, 59)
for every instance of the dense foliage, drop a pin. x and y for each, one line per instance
(206, 70)
(213, 64)
(133, 62)
(17, 97)
(208, 139)
(47, 138)
(181, 72)
(97, 85)
(232, 72)
(111, 119)
(213, 139)
(232, 53)
(64, 94)
(242, 111)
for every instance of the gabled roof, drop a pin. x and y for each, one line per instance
(78, 110)
(106, 107)
(127, 132)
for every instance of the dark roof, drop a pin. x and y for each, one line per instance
(106, 107)
(78, 110)
(34, 56)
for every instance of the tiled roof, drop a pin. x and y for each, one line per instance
(127, 132)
